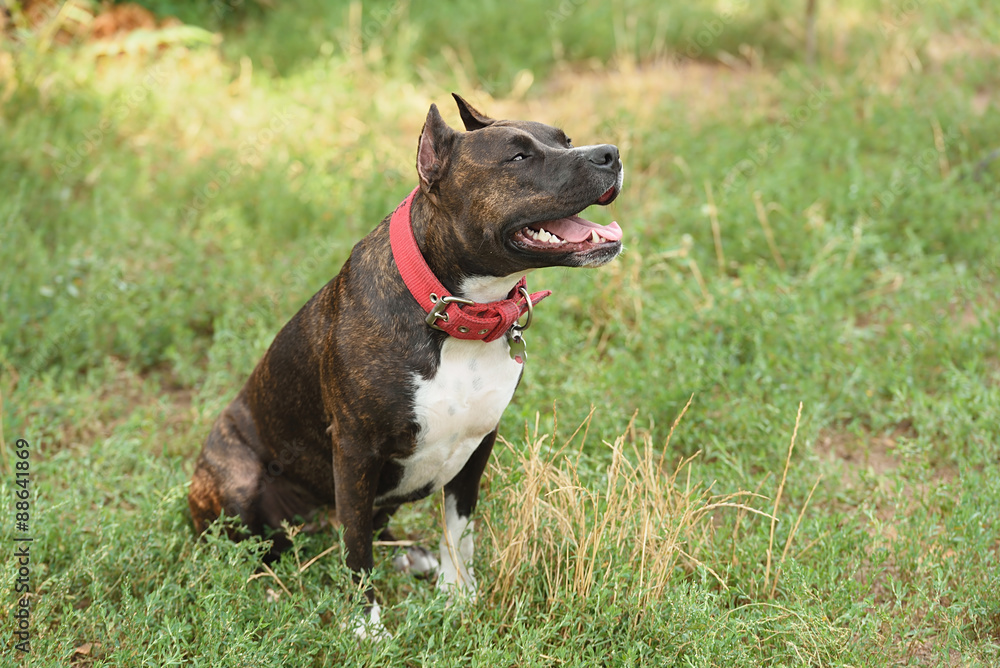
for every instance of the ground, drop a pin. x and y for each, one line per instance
(186, 176)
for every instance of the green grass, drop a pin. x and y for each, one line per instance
(163, 214)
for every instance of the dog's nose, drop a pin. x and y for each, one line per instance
(604, 156)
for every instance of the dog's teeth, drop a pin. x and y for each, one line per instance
(594, 237)
(543, 235)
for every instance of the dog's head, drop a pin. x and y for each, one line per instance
(513, 191)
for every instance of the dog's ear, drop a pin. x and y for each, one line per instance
(472, 118)
(434, 149)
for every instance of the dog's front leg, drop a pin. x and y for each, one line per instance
(460, 497)
(355, 481)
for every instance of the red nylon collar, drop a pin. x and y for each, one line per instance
(460, 318)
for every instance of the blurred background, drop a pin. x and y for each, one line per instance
(810, 215)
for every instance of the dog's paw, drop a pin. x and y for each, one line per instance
(367, 625)
(417, 560)
(458, 585)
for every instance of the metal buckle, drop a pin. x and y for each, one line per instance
(437, 311)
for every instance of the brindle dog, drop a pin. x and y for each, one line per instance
(359, 404)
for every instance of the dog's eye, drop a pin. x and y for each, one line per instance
(519, 157)
(569, 143)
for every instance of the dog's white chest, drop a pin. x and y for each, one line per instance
(457, 408)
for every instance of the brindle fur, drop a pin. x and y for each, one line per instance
(327, 413)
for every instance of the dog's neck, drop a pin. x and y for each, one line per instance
(488, 288)
(440, 245)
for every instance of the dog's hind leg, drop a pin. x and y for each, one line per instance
(226, 480)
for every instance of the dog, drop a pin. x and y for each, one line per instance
(389, 384)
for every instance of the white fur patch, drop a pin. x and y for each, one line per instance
(457, 409)
(490, 288)
(415, 559)
(370, 627)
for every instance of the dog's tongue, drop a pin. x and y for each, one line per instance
(576, 229)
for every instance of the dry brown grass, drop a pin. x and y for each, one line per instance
(566, 535)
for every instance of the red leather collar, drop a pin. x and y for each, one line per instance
(461, 318)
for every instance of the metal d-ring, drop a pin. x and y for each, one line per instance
(531, 311)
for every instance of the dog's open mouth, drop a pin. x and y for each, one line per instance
(572, 234)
